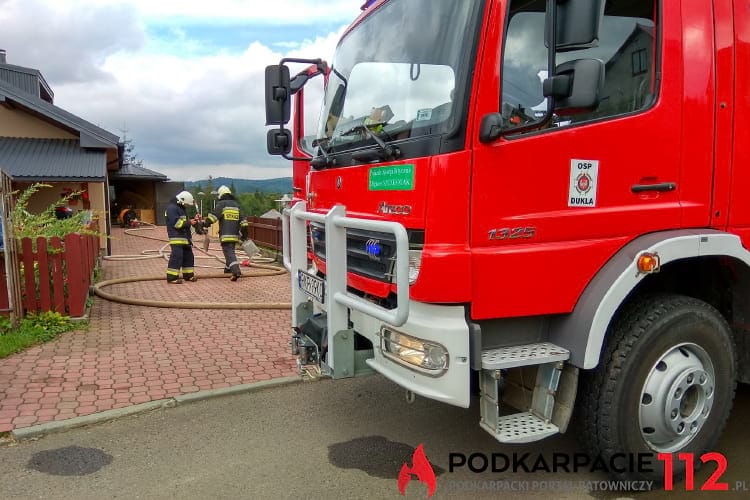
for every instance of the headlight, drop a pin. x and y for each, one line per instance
(415, 262)
(413, 351)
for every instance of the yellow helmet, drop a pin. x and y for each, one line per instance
(223, 190)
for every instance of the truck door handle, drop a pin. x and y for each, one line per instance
(662, 186)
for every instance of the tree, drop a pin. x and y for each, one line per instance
(257, 203)
(130, 157)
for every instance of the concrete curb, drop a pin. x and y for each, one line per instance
(235, 389)
(37, 431)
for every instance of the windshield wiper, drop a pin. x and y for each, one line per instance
(389, 152)
(324, 162)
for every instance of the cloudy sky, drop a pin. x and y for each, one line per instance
(183, 78)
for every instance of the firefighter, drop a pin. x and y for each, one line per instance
(180, 240)
(231, 227)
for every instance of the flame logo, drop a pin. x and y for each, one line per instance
(420, 468)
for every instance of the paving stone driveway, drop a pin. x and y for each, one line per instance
(133, 354)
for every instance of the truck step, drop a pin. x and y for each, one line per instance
(520, 428)
(522, 355)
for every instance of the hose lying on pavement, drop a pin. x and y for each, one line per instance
(264, 270)
(181, 304)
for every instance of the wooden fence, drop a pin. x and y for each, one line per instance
(57, 276)
(265, 232)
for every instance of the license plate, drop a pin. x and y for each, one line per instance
(311, 285)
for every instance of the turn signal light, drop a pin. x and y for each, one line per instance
(648, 263)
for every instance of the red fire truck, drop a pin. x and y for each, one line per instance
(539, 201)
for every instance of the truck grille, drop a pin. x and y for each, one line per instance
(368, 253)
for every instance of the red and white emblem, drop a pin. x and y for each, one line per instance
(583, 183)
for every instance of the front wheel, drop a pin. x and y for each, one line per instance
(665, 384)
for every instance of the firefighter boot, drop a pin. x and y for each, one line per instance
(236, 273)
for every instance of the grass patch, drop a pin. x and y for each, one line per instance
(33, 329)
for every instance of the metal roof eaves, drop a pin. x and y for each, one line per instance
(58, 114)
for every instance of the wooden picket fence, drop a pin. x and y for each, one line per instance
(265, 232)
(57, 276)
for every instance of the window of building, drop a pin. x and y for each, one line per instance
(640, 62)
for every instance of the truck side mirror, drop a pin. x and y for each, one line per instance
(278, 95)
(491, 127)
(577, 86)
(577, 24)
(279, 141)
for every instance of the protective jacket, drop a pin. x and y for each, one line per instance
(178, 225)
(231, 223)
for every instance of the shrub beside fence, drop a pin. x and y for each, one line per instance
(57, 276)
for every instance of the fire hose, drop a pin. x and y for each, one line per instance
(253, 262)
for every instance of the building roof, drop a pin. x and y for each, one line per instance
(37, 160)
(271, 214)
(27, 79)
(91, 135)
(134, 172)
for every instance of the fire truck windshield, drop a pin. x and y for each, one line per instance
(398, 72)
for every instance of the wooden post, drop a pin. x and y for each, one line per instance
(73, 264)
(57, 269)
(45, 300)
(29, 302)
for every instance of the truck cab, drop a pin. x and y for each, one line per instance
(540, 199)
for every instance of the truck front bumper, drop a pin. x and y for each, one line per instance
(443, 326)
(408, 341)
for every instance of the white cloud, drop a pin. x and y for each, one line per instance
(189, 113)
(276, 12)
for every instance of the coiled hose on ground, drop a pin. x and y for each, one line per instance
(255, 262)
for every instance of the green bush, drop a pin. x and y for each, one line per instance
(33, 329)
(28, 225)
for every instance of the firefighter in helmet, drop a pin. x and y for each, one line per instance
(180, 240)
(232, 226)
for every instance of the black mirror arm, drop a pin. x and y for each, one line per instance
(558, 86)
(551, 60)
(296, 83)
(317, 67)
(296, 158)
(293, 158)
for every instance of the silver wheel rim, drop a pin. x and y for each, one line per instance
(677, 397)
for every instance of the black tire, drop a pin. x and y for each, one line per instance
(657, 341)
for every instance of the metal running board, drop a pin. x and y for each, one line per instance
(520, 428)
(523, 355)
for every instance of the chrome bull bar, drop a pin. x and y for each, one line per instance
(337, 298)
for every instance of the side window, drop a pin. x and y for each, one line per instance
(627, 41)
(313, 96)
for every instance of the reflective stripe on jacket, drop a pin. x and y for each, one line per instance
(178, 226)
(227, 214)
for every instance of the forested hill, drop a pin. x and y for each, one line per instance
(281, 185)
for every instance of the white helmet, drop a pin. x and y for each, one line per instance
(223, 190)
(185, 198)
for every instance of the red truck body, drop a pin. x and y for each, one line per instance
(545, 235)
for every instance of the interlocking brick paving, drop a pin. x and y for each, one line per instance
(132, 354)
